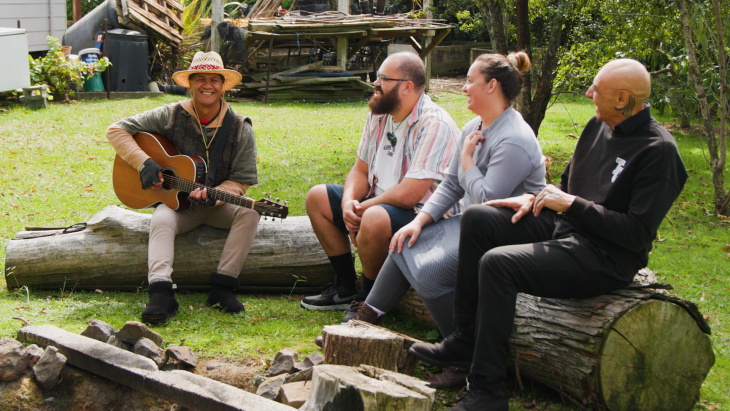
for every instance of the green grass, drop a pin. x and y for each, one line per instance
(56, 171)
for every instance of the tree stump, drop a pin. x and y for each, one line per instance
(338, 387)
(358, 343)
(111, 253)
(634, 349)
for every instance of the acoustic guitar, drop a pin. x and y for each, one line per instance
(181, 175)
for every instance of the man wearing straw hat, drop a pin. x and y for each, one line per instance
(194, 127)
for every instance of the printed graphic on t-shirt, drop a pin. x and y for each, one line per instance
(619, 168)
(390, 150)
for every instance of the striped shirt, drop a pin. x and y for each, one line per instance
(430, 140)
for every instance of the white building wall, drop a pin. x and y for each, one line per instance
(40, 18)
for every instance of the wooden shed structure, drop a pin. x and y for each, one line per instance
(40, 18)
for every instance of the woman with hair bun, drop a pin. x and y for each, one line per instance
(498, 156)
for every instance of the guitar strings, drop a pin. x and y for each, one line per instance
(186, 185)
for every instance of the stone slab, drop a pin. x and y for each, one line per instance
(190, 390)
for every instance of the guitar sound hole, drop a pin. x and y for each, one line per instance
(167, 183)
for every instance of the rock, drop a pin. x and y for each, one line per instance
(98, 330)
(33, 353)
(304, 375)
(119, 344)
(271, 387)
(133, 331)
(283, 362)
(295, 394)
(183, 355)
(13, 360)
(147, 348)
(258, 379)
(49, 368)
(310, 361)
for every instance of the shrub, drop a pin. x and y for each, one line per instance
(58, 72)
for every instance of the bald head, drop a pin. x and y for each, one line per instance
(619, 90)
(629, 75)
(411, 67)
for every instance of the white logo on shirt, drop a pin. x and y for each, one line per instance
(619, 168)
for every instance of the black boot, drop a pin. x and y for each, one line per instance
(485, 394)
(162, 304)
(455, 350)
(221, 293)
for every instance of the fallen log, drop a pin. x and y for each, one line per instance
(111, 253)
(358, 342)
(634, 349)
(337, 387)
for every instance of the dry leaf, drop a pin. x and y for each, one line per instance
(571, 135)
(713, 407)
(706, 317)
(702, 299)
(190, 307)
(726, 247)
(99, 291)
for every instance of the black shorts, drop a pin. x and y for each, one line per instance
(398, 216)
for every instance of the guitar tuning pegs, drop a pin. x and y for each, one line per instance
(286, 202)
(269, 196)
(273, 219)
(278, 199)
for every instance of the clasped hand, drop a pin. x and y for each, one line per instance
(550, 197)
(352, 212)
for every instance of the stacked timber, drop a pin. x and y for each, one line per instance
(311, 82)
(163, 18)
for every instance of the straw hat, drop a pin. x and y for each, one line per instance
(209, 62)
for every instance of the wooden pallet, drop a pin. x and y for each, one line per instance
(163, 17)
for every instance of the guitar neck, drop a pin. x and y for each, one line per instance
(188, 186)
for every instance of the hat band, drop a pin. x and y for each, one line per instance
(205, 67)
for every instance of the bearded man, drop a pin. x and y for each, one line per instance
(405, 147)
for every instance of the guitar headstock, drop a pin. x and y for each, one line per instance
(269, 208)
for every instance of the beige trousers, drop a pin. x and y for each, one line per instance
(167, 223)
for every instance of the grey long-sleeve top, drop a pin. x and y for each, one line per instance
(508, 163)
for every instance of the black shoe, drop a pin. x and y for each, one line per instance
(483, 396)
(221, 293)
(455, 350)
(161, 305)
(332, 298)
(355, 305)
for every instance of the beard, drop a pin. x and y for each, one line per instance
(387, 103)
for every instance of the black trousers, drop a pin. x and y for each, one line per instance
(498, 259)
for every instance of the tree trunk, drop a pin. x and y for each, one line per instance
(549, 64)
(111, 253)
(494, 12)
(634, 349)
(717, 160)
(361, 343)
(722, 63)
(337, 387)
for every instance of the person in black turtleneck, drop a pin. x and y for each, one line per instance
(586, 236)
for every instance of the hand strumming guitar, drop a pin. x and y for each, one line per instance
(151, 175)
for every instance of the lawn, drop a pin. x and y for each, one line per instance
(56, 171)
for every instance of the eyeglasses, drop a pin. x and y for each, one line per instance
(383, 78)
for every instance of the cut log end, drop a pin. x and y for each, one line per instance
(654, 358)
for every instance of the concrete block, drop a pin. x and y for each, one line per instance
(132, 331)
(49, 367)
(98, 330)
(295, 394)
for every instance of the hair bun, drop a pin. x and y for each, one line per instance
(520, 61)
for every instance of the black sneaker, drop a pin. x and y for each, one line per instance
(355, 305)
(332, 298)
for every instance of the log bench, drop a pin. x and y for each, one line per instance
(638, 348)
(111, 253)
